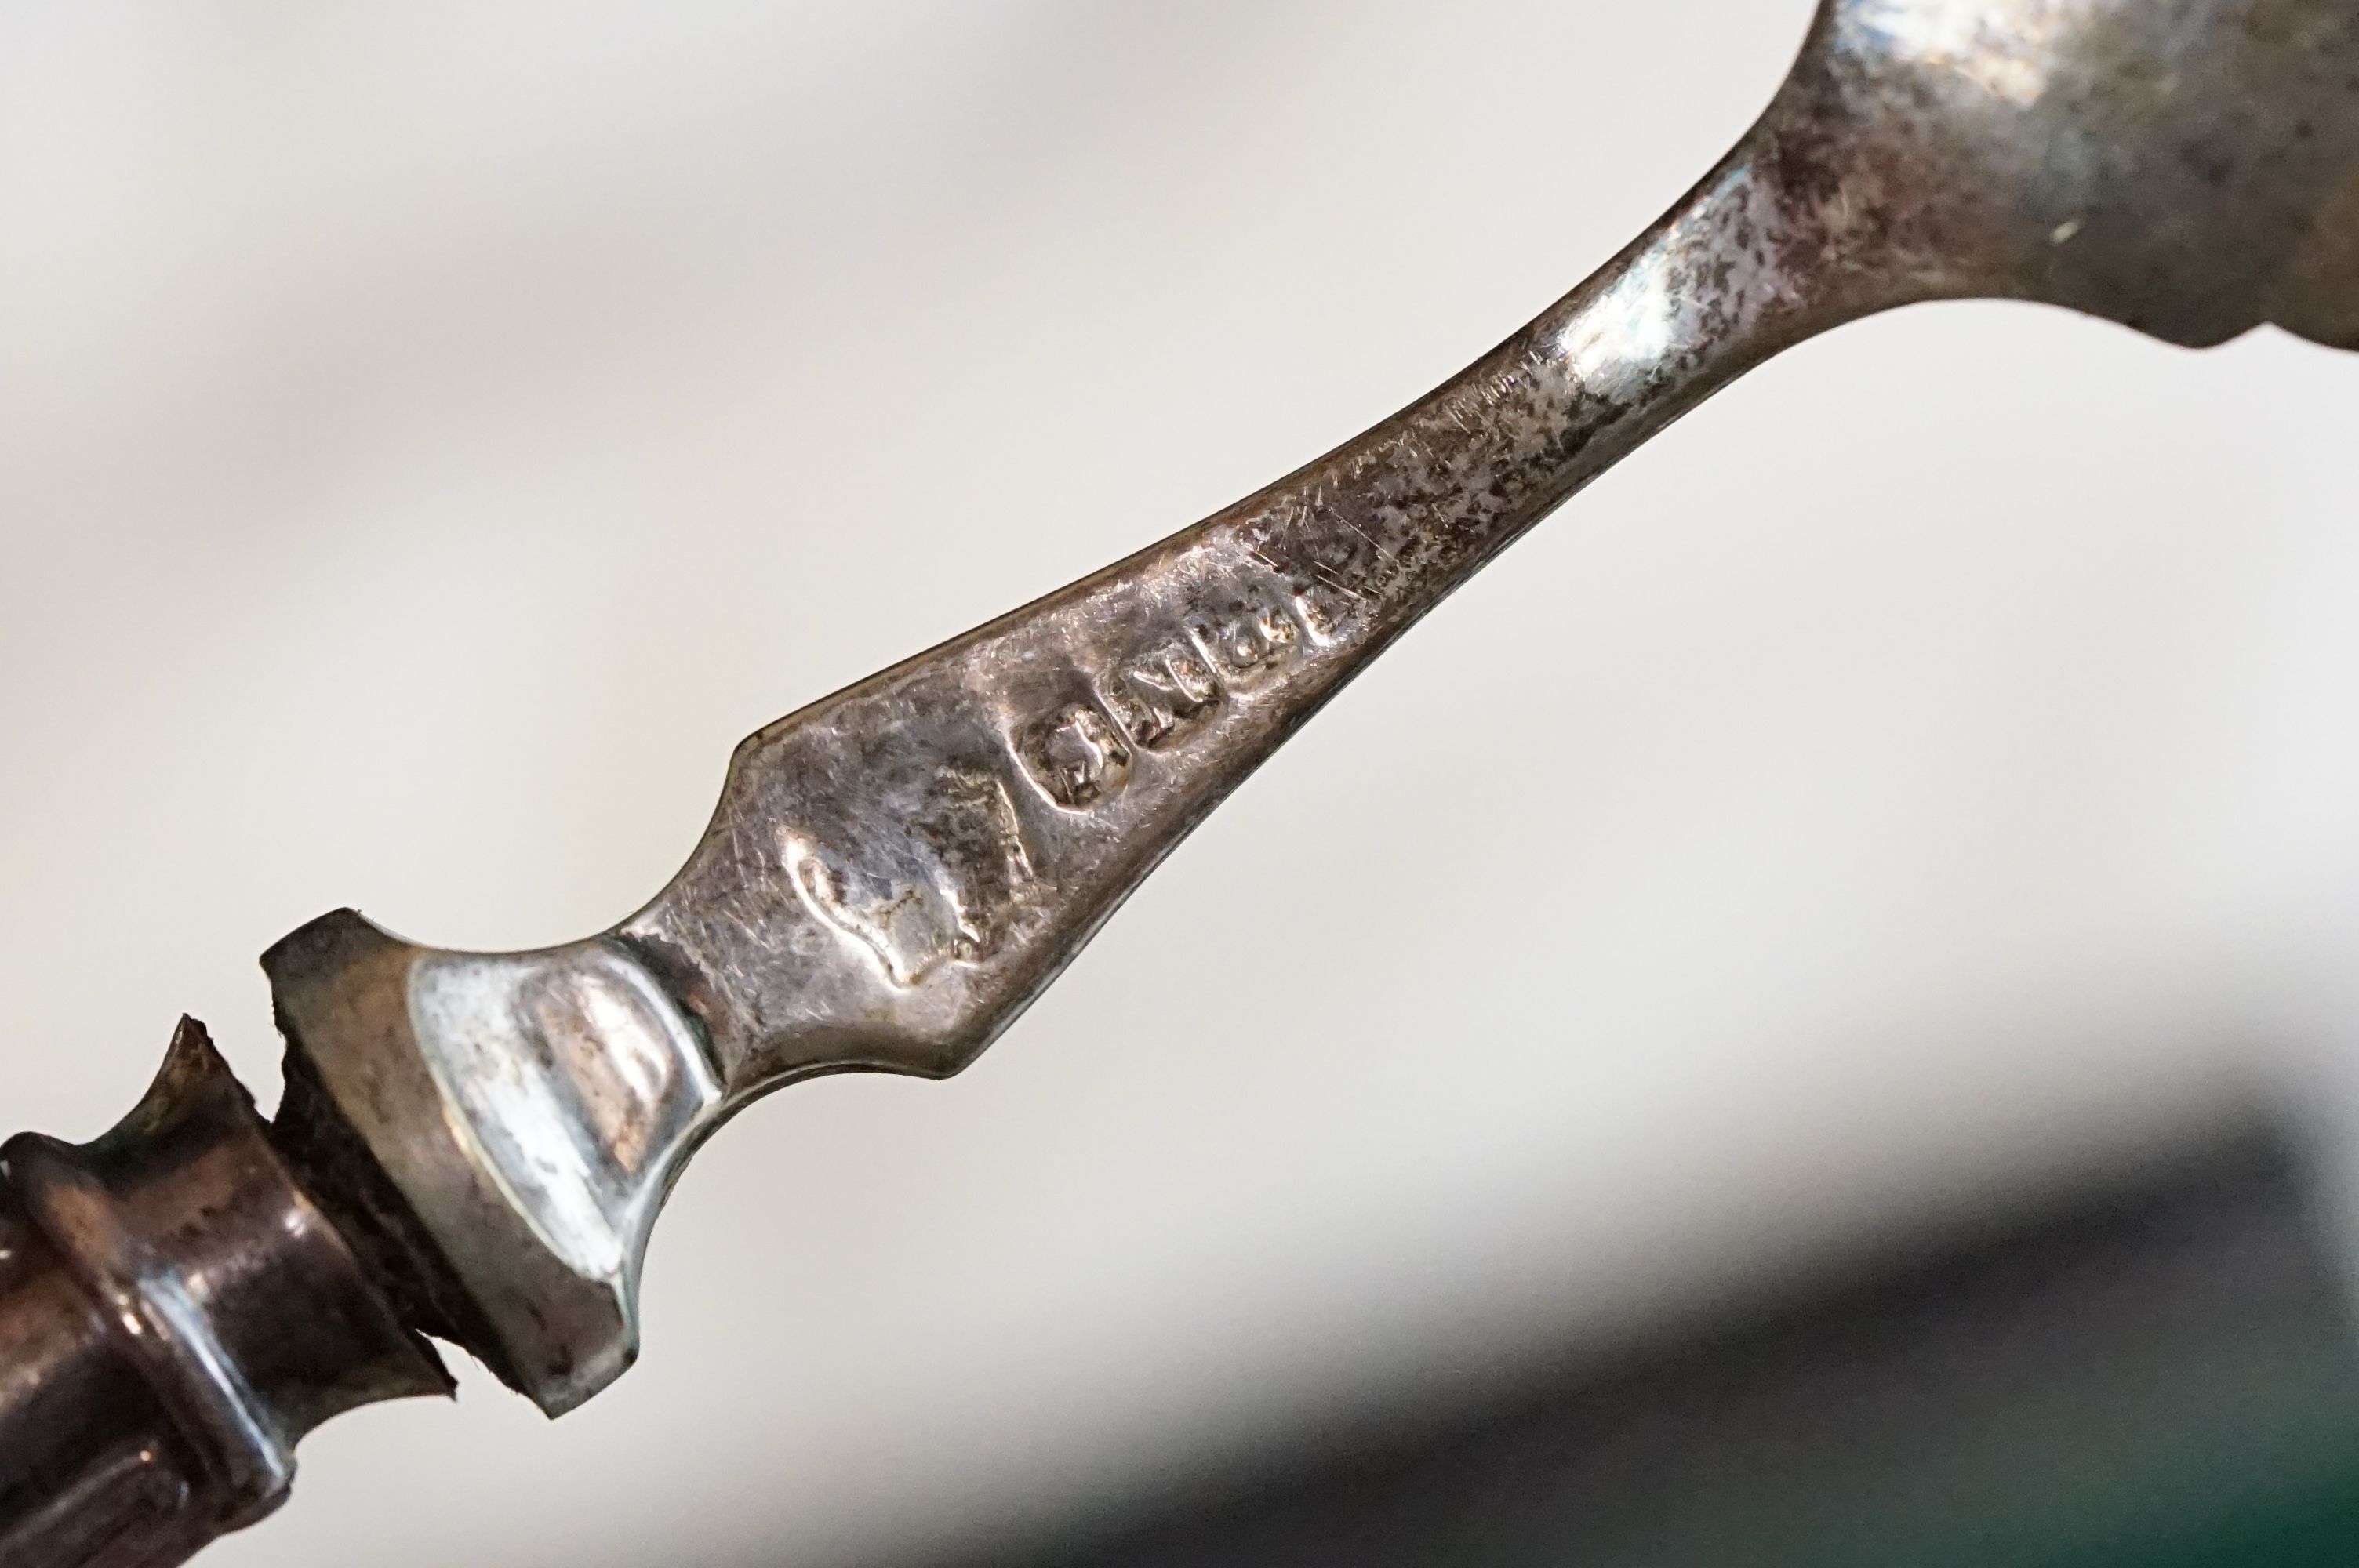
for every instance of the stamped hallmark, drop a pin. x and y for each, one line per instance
(1158, 700)
(1246, 648)
(1076, 755)
(964, 873)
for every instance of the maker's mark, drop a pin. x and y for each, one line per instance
(1166, 692)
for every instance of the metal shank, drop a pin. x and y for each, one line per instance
(896, 871)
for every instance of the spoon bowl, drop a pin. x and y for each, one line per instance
(2187, 168)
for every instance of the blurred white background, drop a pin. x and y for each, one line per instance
(430, 435)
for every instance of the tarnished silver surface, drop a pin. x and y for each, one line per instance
(896, 871)
(177, 1312)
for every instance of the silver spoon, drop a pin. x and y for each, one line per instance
(894, 873)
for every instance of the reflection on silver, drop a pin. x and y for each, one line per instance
(896, 871)
(572, 1076)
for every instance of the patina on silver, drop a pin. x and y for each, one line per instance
(896, 871)
(474, 1146)
(176, 1312)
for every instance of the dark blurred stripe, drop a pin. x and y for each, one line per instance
(2158, 1375)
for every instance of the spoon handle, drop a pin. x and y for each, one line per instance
(894, 871)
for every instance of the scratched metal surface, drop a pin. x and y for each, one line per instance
(484, 839)
(894, 873)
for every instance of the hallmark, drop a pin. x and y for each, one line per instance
(1247, 647)
(1077, 756)
(963, 874)
(1158, 700)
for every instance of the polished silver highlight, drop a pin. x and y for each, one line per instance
(896, 871)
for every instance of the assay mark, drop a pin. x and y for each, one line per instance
(964, 873)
